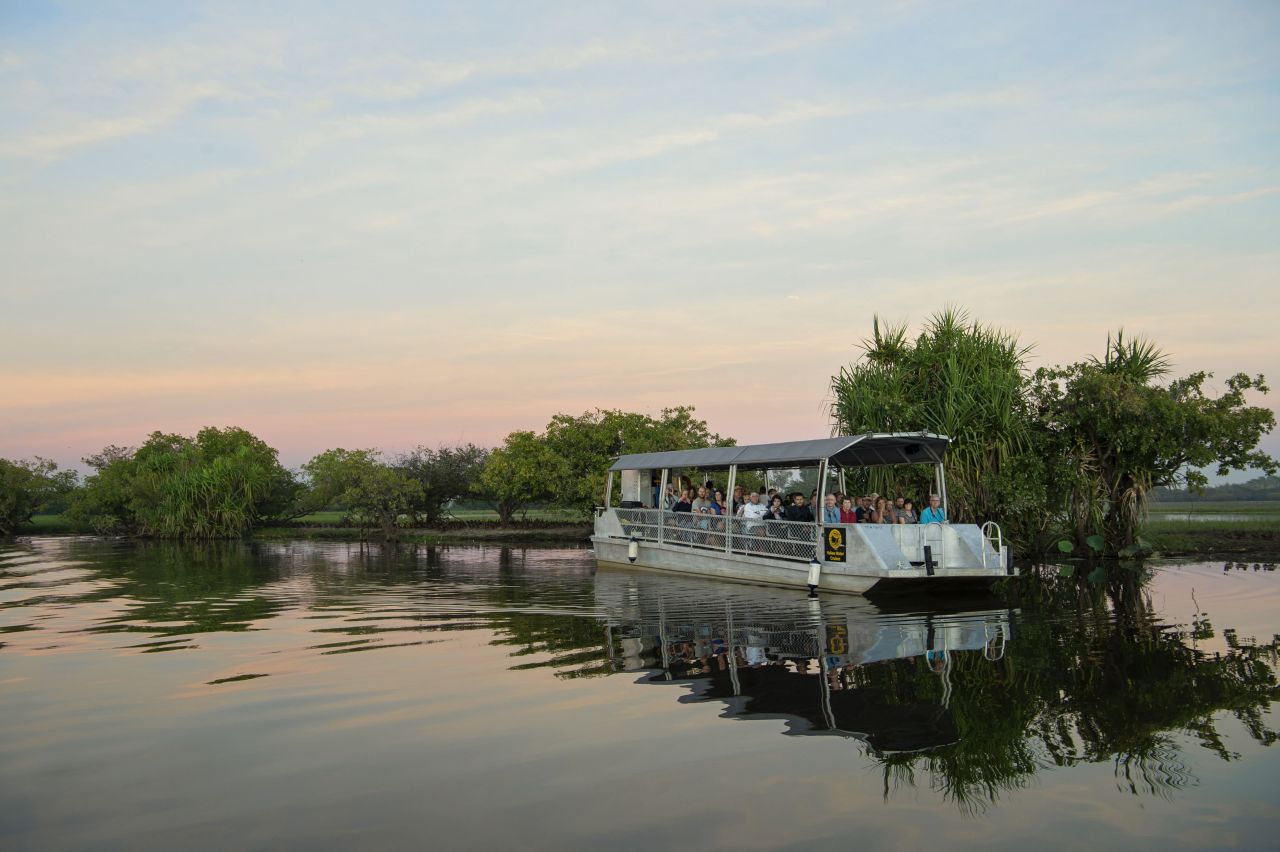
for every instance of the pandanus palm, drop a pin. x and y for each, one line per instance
(958, 378)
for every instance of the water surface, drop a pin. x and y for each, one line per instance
(318, 696)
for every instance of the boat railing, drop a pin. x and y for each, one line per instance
(992, 542)
(792, 540)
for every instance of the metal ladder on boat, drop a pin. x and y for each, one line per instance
(991, 535)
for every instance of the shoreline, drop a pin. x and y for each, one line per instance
(472, 534)
(1187, 540)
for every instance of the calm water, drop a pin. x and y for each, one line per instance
(326, 696)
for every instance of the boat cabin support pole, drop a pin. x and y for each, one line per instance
(662, 503)
(728, 510)
(608, 490)
(942, 489)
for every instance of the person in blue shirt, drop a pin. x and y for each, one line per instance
(830, 511)
(933, 514)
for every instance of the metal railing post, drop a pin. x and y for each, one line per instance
(729, 515)
(662, 503)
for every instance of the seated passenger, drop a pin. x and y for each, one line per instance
(798, 511)
(847, 514)
(776, 511)
(933, 513)
(753, 509)
(908, 513)
(864, 508)
(685, 503)
(830, 511)
(701, 501)
(884, 510)
(717, 503)
(898, 503)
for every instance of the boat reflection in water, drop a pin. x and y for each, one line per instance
(819, 664)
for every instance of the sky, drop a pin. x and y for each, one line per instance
(391, 224)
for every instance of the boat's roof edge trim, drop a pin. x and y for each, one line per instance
(870, 450)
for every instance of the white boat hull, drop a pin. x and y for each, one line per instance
(732, 566)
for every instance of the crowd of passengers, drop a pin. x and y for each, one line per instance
(772, 505)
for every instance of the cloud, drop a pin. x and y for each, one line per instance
(60, 143)
(656, 145)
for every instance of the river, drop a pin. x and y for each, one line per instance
(333, 696)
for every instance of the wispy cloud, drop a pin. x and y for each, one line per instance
(52, 144)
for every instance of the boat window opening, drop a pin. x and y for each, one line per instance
(637, 489)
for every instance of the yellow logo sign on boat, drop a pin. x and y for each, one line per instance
(835, 548)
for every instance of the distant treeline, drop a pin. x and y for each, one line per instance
(1261, 488)
(1069, 454)
(223, 482)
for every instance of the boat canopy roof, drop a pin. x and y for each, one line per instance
(872, 450)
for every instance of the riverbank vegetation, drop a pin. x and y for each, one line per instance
(1065, 458)
(1067, 454)
(226, 483)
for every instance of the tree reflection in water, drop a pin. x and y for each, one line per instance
(1064, 673)
(1089, 675)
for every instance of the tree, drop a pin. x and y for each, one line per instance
(218, 485)
(964, 380)
(522, 471)
(587, 444)
(444, 474)
(377, 494)
(1124, 434)
(26, 486)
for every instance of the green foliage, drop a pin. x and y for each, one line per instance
(375, 493)
(1074, 450)
(443, 475)
(523, 470)
(1123, 435)
(587, 444)
(218, 485)
(26, 486)
(960, 379)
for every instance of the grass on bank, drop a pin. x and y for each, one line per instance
(335, 517)
(1261, 508)
(1194, 528)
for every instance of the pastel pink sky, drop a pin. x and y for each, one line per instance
(440, 225)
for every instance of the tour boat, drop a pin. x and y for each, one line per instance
(856, 558)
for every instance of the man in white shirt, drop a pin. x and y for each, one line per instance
(753, 513)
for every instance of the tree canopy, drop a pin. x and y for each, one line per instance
(25, 486)
(587, 444)
(523, 470)
(1124, 434)
(217, 485)
(443, 474)
(1072, 450)
(375, 493)
(961, 379)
